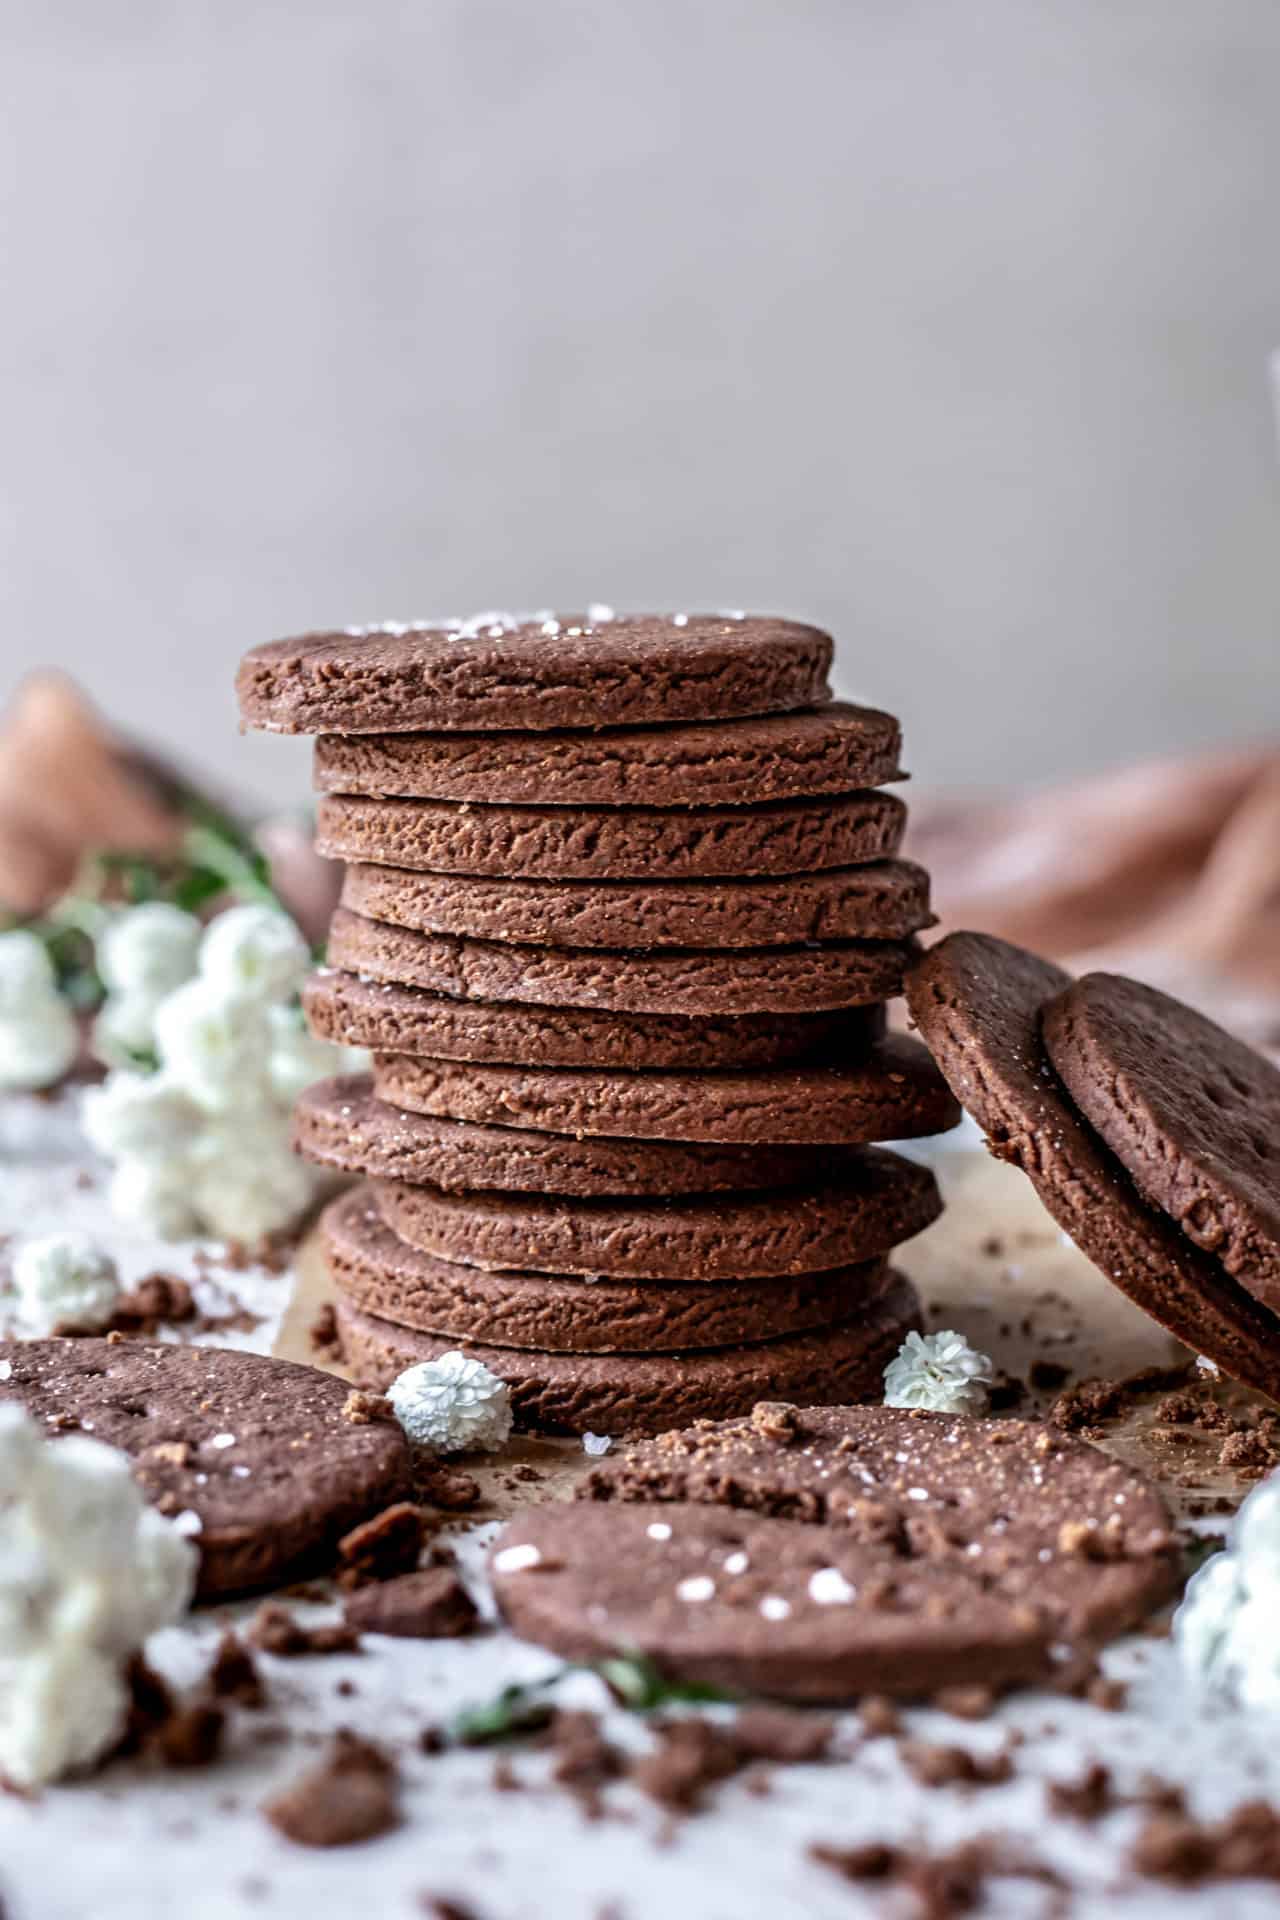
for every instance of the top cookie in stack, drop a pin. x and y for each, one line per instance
(620, 916)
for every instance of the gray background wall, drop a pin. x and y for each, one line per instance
(943, 324)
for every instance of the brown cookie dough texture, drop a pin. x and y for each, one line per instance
(883, 1201)
(527, 673)
(829, 750)
(632, 843)
(748, 980)
(1192, 1114)
(273, 1498)
(887, 900)
(822, 1552)
(646, 1393)
(376, 1273)
(342, 1124)
(356, 1012)
(977, 1002)
(893, 1093)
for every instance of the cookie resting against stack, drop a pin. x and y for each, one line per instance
(620, 915)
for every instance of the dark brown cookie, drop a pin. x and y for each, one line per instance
(893, 1093)
(378, 1274)
(1191, 1113)
(620, 1393)
(887, 900)
(372, 1013)
(977, 1002)
(527, 673)
(342, 1124)
(882, 1201)
(913, 1550)
(732, 763)
(628, 843)
(680, 980)
(257, 1449)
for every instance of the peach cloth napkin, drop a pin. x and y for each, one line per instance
(1169, 871)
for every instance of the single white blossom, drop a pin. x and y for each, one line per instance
(64, 1280)
(1225, 1628)
(38, 1047)
(154, 1194)
(139, 1114)
(254, 953)
(211, 1045)
(27, 978)
(939, 1371)
(452, 1405)
(147, 951)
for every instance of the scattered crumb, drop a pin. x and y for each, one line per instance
(350, 1796)
(275, 1630)
(431, 1604)
(390, 1543)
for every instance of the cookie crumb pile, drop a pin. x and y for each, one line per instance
(620, 915)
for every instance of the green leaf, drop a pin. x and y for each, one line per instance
(516, 1711)
(636, 1682)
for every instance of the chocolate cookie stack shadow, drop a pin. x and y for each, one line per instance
(620, 915)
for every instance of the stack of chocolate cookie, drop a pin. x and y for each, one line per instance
(620, 916)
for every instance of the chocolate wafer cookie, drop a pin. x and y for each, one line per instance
(978, 1002)
(529, 672)
(887, 900)
(1191, 1113)
(342, 1124)
(379, 1274)
(646, 1393)
(357, 1012)
(829, 750)
(258, 1449)
(893, 1092)
(883, 1201)
(621, 843)
(678, 980)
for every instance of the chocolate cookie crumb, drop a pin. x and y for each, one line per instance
(431, 1604)
(939, 1766)
(446, 1487)
(234, 1674)
(378, 1549)
(1088, 1798)
(349, 1797)
(691, 1755)
(965, 1703)
(362, 1409)
(323, 1331)
(275, 1630)
(782, 1735)
(585, 1762)
(1243, 1846)
(880, 1718)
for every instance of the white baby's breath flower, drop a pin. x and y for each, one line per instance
(38, 1047)
(245, 1181)
(124, 1030)
(26, 972)
(452, 1405)
(298, 1057)
(939, 1371)
(1225, 1628)
(155, 1195)
(254, 953)
(64, 1280)
(212, 1045)
(149, 950)
(139, 1114)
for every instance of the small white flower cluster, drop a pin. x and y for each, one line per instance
(87, 1571)
(940, 1372)
(452, 1405)
(64, 1280)
(1225, 1629)
(39, 1039)
(202, 1145)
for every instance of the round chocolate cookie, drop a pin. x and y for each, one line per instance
(1191, 1113)
(647, 1393)
(528, 672)
(379, 1274)
(629, 843)
(259, 1450)
(887, 900)
(977, 1001)
(913, 1551)
(734, 763)
(342, 1124)
(882, 1201)
(371, 1013)
(893, 1092)
(678, 980)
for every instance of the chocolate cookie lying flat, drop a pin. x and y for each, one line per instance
(377, 1013)
(909, 1552)
(342, 1124)
(886, 900)
(882, 1201)
(1192, 1114)
(257, 1450)
(894, 1093)
(378, 1274)
(647, 1393)
(680, 980)
(977, 1002)
(622, 843)
(831, 749)
(529, 672)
